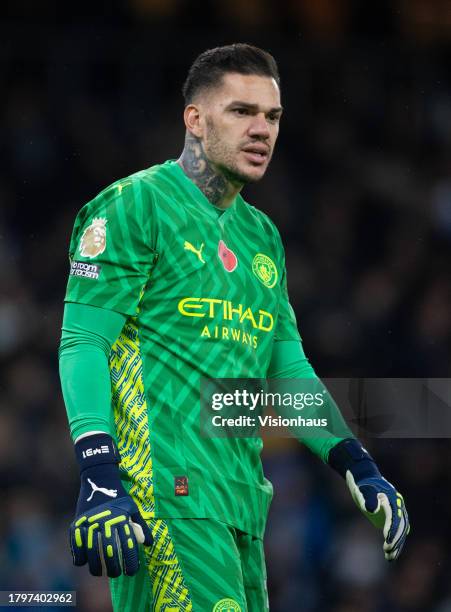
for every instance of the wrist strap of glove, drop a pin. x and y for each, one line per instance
(98, 449)
(350, 455)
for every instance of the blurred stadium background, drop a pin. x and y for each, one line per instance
(360, 188)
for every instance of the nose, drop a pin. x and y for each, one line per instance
(259, 126)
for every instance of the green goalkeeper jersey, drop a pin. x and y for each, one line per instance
(205, 294)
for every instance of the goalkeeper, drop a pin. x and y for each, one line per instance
(174, 277)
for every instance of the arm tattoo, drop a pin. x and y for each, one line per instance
(196, 165)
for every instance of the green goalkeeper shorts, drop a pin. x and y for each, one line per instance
(197, 565)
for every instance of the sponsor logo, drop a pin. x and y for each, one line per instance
(181, 485)
(227, 256)
(86, 270)
(189, 247)
(265, 270)
(96, 489)
(227, 605)
(225, 310)
(93, 240)
(90, 452)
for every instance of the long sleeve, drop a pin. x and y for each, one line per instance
(288, 361)
(88, 333)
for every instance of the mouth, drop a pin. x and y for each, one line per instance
(256, 153)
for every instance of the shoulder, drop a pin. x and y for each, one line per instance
(130, 195)
(124, 206)
(132, 191)
(262, 221)
(264, 227)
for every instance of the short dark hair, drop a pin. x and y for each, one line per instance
(210, 66)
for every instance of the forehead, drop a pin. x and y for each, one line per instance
(249, 88)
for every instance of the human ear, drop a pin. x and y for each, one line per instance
(192, 120)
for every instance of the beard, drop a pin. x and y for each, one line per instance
(223, 156)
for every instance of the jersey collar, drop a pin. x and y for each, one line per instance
(215, 212)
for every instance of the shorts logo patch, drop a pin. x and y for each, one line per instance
(265, 270)
(84, 269)
(181, 485)
(227, 605)
(93, 240)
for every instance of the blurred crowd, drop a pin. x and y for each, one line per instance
(360, 188)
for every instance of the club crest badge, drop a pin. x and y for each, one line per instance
(227, 605)
(93, 240)
(265, 270)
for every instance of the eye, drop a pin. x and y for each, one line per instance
(273, 117)
(241, 111)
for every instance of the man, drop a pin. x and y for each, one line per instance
(173, 277)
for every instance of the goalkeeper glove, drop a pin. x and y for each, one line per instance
(376, 497)
(108, 525)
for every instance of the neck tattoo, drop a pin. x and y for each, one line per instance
(196, 165)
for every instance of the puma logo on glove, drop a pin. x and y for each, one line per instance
(109, 492)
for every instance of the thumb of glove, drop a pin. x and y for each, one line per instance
(368, 500)
(377, 507)
(141, 529)
(370, 496)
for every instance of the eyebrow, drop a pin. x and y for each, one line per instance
(253, 107)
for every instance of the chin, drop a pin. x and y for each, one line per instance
(248, 174)
(255, 174)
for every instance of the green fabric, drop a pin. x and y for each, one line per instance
(87, 335)
(205, 295)
(195, 564)
(112, 248)
(289, 361)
